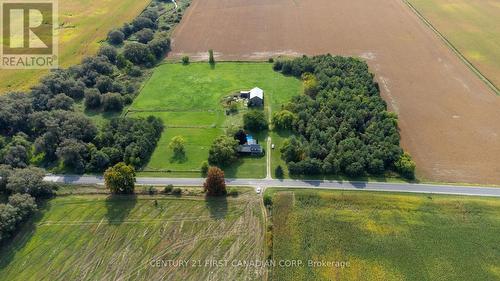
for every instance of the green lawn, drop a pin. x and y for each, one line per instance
(188, 98)
(95, 237)
(199, 87)
(383, 236)
(472, 26)
(198, 142)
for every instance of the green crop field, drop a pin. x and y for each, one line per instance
(472, 26)
(380, 236)
(83, 24)
(188, 98)
(95, 237)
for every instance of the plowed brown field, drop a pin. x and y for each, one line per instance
(450, 120)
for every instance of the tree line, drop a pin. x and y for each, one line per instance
(341, 124)
(69, 141)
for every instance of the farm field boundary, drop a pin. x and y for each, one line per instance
(471, 66)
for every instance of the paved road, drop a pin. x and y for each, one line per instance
(319, 184)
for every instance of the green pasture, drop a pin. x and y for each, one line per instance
(198, 142)
(382, 236)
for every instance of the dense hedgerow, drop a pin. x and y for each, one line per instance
(341, 123)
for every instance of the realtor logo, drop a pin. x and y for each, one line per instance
(29, 38)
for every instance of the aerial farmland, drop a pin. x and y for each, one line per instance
(250, 140)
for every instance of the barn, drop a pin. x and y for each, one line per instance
(256, 97)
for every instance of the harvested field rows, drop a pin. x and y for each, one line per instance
(96, 237)
(449, 119)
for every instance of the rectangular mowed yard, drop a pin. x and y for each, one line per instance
(380, 236)
(96, 237)
(189, 100)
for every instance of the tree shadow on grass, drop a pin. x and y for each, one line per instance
(217, 206)
(178, 158)
(119, 207)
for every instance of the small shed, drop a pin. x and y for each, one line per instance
(244, 94)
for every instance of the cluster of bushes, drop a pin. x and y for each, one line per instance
(103, 81)
(21, 186)
(255, 120)
(18, 209)
(129, 140)
(145, 39)
(341, 123)
(25, 181)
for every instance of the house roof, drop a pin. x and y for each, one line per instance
(257, 92)
(250, 148)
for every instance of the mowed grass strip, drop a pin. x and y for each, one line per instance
(386, 236)
(472, 26)
(83, 24)
(96, 237)
(186, 119)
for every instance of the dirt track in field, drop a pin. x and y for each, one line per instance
(449, 120)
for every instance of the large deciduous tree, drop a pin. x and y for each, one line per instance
(223, 151)
(116, 37)
(215, 184)
(284, 119)
(255, 120)
(177, 146)
(30, 181)
(120, 179)
(138, 53)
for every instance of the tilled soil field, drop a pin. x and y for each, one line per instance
(449, 119)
